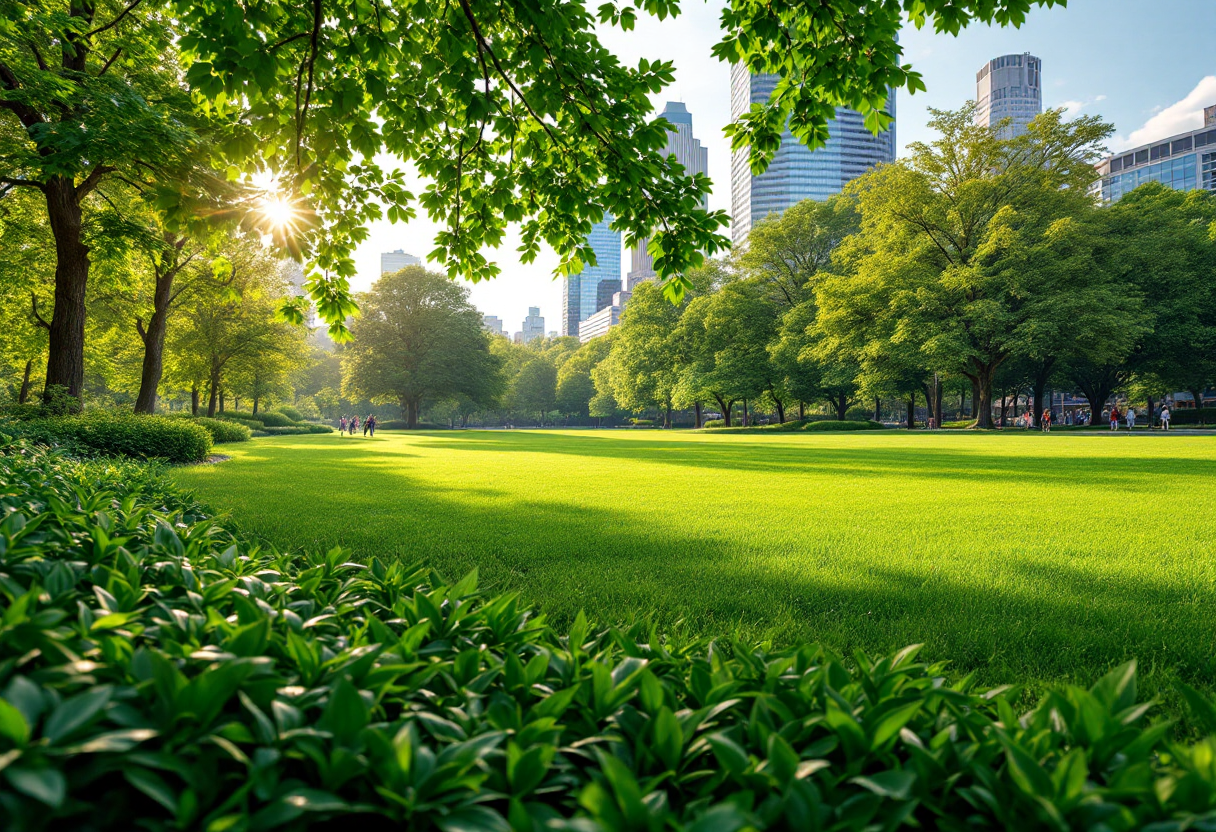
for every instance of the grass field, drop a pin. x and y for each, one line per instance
(1028, 558)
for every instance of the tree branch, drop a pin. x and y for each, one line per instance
(106, 65)
(130, 8)
(37, 54)
(139, 327)
(92, 180)
(21, 183)
(38, 319)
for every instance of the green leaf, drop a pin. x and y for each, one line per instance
(668, 738)
(153, 785)
(13, 724)
(43, 784)
(895, 784)
(75, 712)
(891, 724)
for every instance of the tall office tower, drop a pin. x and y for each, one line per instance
(797, 173)
(492, 324)
(395, 261)
(580, 292)
(695, 159)
(1010, 86)
(534, 326)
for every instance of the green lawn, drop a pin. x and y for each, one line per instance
(1026, 557)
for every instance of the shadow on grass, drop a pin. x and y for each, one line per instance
(1013, 618)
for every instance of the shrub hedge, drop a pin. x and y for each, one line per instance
(837, 425)
(97, 432)
(273, 420)
(1193, 416)
(290, 412)
(296, 430)
(223, 430)
(159, 672)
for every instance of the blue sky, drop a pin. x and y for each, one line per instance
(1148, 66)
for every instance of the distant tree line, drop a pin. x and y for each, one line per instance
(980, 267)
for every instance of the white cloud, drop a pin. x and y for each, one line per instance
(1071, 108)
(1175, 118)
(1100, 98)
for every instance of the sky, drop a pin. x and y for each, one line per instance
(1147, 66)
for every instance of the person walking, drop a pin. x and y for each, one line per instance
(354, 425)
(1131, 417)
(341, 425)
(367, 423)
(1045, 420)
(371, 421)
(1114, 418)
(1165, 417)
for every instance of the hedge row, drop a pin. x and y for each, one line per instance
(1193, 416)
(296, 430)
(107, 432)
(833, 425)
(224, 431)
(158, 672)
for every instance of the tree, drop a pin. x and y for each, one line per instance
(939, 264)
(419, 338)
(535, 388)
(644, 357)
(515, 113)
(575, 387)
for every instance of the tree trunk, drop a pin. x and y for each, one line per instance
(1004, 404)
(841, 403)
(878, 408)
(745, 422)
(927, 389)
(213, 392)
(696, 406)
(667, 418)
(411, 414)
(65, 361)
(780, 410)
(194, 400)
(982, 404)
(801, 410)
(937, 408)
(1150, 411)
(725, 407)
(911, 410)
(24, 395)
(221, 399)
(256, 401)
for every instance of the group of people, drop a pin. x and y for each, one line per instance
(352, 425)
(1115, 416)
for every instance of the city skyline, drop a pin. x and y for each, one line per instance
(1076, 44)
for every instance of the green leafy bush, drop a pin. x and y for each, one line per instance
(775, 427)
(1192, 416)
(274, 420)
(223, 430)
(252, 424)
(19, 412)
(124, 434)
(642, 423)
(159, 672)
(296, 430)
(290, 412)
(837, 425)
(718, 423)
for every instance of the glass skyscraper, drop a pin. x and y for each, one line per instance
(695, 159)
(797, 173)
(581, 292)
(1009, 87)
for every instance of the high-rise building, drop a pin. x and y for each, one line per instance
(695, 159)
(1185, 162)
(796, 172)
(492, 324)
(395, 261)
(1009, 87)
(534, 326)
(604, 319)
(580, 292)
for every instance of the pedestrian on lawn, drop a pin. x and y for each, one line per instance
(1045, 420)
(342, 425)
(367, 424)
(1114, 418)
(354, 425)
(1131, 417)
(373, 418)
(1165, 417)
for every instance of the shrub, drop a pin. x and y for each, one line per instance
(290, 412)
(1193, 416)
(297, 430)
(157, 671)
(20, 412)
(641, 423)
(274, 420)
(837, 425)
(859, 413)
(224, 430)
(252, 424)
(719, 423)
(124, 434)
